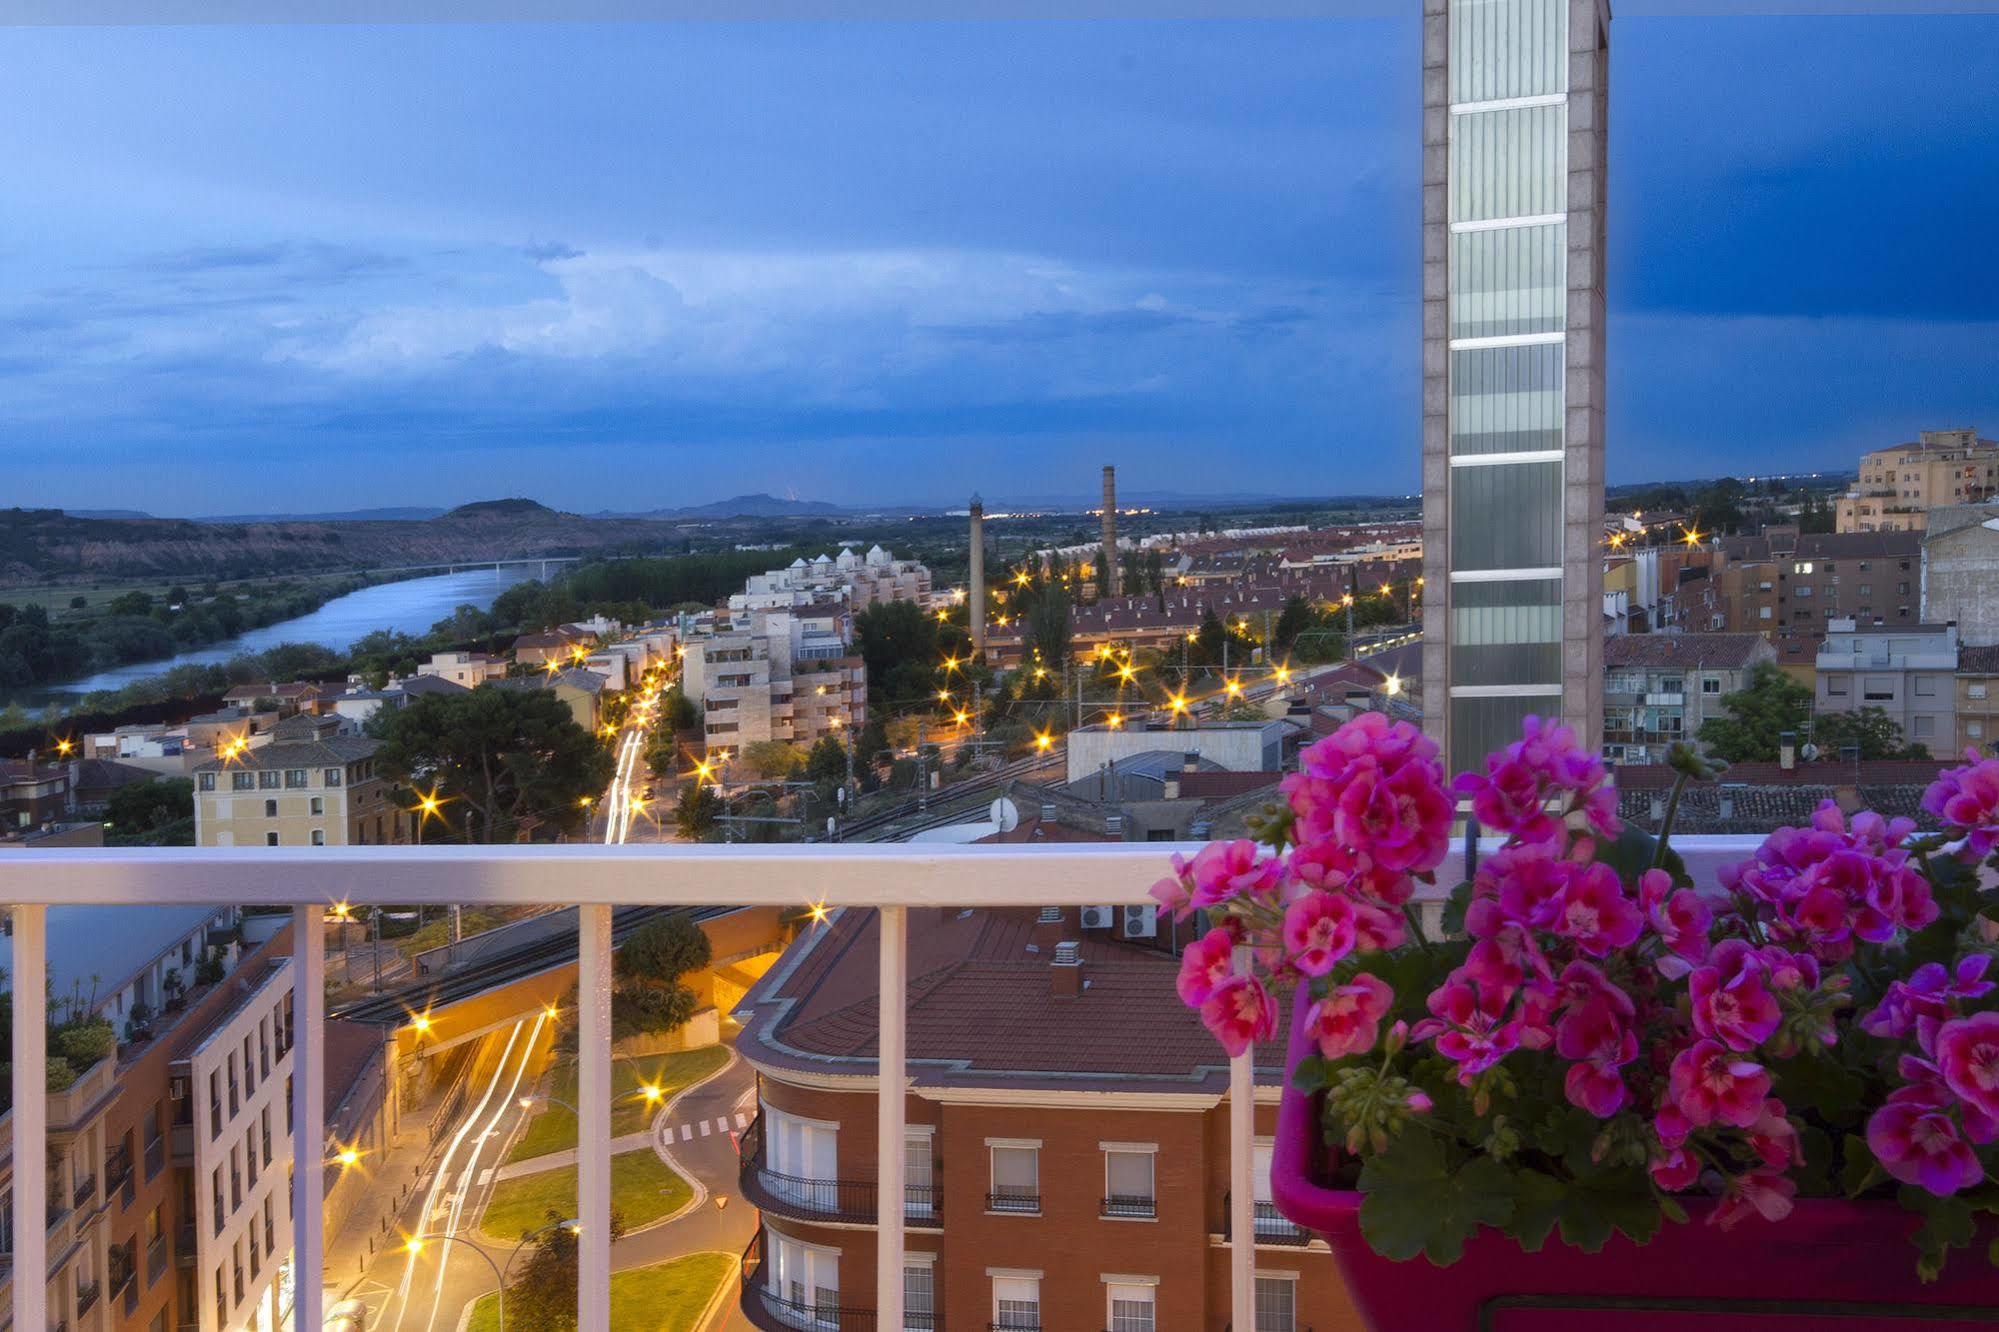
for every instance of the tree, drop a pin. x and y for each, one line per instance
(694, 817)
(513, 760)
(651, 996)
(543, 1297)
(772, 760)
(150, 807)
(1870, 730)
(827, 763)
(1759, 713)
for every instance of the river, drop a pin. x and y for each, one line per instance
(411, 606)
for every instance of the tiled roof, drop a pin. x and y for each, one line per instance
(337, 751)
(1691, 651)
(982, 1009)
(1978, 660)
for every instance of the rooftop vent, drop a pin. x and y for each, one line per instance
(1065, 973)
(1051, 915)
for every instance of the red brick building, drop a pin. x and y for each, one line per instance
(1067, 1135)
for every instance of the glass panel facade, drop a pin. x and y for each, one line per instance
(1506, 399)
(1509, 280)
(1508, 48)
(1506, 516)
(1506, 633)
(1481, 725)
(1509, 163)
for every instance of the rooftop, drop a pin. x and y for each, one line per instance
(335, 751)
(97, 950)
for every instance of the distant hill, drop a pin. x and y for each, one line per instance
(110, 515)
(750, 506)
(390, 515)
(502, 508)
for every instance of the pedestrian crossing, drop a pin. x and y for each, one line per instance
(702, 1128)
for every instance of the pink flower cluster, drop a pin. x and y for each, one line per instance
(1547, 767)
(1966, 800)
(1370, 813)
(1829, 886)
(1949, 1098)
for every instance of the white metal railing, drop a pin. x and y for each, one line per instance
(890, 877)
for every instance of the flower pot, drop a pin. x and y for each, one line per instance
(1832, 1265)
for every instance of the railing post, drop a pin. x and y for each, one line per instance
(892, 1163)
(308, 1116)
(1242, 1181)
(31, 1117)
(593, 1130)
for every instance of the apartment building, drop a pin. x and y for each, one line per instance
(783, 675)
(1977, 699)
(231, 1098)
(1787, 585)
(122, 1246)
(859, 580)
(1660, 688)
(470, 669)
(323, 791)
(1899, 486)
(1961, 570)
(1909, 673)
(1066, 1148)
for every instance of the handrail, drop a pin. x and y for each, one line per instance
(850, 1199)
(1271, 1225)
(768, 1310)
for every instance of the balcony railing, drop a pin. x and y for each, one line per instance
(1269, 1225)
(1023, 1201)
(86, 1297)
(770, 1310)
(85, 1192)
(891, 878)
(855, 1201)
(1129, 1208)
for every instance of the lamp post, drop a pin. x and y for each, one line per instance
(414, 1245)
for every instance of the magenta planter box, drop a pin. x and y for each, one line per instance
(1833, 1265)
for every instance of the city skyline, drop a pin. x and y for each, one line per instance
(718, 260)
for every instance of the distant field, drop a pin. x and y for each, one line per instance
(56, 597)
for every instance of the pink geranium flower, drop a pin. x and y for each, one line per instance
(1967, 1052)
(1595, 912)
(1348, 1020)
(1928, 992)
(1470, 1025)
(1729, 1000)
(1225, 870)
(1764, 1193)
(1681, 918)
(1967, 799)
(1240, 1013)
(1709, 1082)
(1920, 1144)
(1318, 931)
(1676, 1169)
(1207, 963)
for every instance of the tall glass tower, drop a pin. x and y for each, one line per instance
(1514, 133)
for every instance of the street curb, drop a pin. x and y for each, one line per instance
(701, 1194)
(727, 1284)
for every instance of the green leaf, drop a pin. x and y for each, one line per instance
(1537, 1206)
(1420, 1200)
(1598, 1205)
(1947, 1224)
(1455, 907)
(1817, 1081)
(1631, 853)
(1861, 1171)
(1310, 1075)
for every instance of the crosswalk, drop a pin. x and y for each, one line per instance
(703, 1128)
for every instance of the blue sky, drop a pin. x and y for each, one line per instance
(303, 268)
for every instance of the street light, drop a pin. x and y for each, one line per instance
(413, 1245)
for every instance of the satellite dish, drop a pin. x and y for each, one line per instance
(1809, 753)
(1004, 815)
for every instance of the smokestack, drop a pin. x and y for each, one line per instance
(978, 578)
(1110, 582)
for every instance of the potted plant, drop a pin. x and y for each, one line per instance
(174, 987)
(1601, 1085)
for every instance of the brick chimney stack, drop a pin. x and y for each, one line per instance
(1065, 973)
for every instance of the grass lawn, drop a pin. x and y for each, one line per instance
(554, 1129)
(643, 1189)
(666, 1297)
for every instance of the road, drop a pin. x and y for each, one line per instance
(430, 1291)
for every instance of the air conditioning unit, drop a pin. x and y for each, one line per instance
(1097, 918)
(1141, 922)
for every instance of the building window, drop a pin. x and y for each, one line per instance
(804, 1159)
(1276, 1305)
(920, 1191)
(234, 1103)
(215, 1179)
(270, 1231)
(1878, 689)
(319, 837)
(1975, 730)
(270, 809)
(1016, 1173)
(1017, 1302)
(264, 1045)
(1762, 612)
(332, 777)
(318, 806)
(1924, 727)
(1835, 686)
(269, 780)
(1130, 1305)
(207, 781)
(919, 1292)
(221, 1296)
(1710, 685)
(266, 1125)
(249, 1067)
(214, 1103)
(1974, 691)
(242, 781)
(296, 779)
(1128, 1179)
(807, 1280)
(270, 839)
(1926, 687)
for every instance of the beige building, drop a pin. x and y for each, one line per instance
(1899, 486)
(785, 675)
(318, 792)
(1977, 701)
(470, 669)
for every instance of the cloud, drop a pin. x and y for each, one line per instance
(543, 252)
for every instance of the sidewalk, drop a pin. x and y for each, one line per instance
(534, 1165)
(388, 1181)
